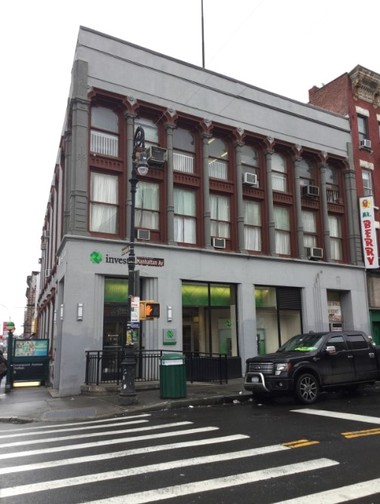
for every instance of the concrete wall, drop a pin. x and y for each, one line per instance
(83, 283)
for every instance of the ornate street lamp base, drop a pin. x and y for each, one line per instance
(127, 395)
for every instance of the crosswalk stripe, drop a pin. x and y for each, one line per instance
(63, 425)
(338, 414)
(112, 422)
(134, 471)
(166, 493)
(56, 449)
(337, 495)
(118, 454)
(94, 434)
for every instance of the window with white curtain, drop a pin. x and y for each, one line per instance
(249, 161)
(104, 137)
(367, 183)
(336, 238)
(252, 225)
(183, 150)
(104, 196)
(184, 216)
(147, 205)
(282, 230)
(220, 216)
(279, 173)
(309, 223)
(218, 159)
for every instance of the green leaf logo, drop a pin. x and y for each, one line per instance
(96, 257)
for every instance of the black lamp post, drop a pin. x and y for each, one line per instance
(139, 167)
(8, 384)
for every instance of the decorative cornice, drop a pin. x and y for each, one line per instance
(365, 85)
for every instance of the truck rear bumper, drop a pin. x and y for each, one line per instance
(259, 383)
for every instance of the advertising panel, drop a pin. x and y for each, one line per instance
(369, 240)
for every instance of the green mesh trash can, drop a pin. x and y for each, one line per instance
(172, 376)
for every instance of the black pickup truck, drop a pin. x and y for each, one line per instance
(310, 363)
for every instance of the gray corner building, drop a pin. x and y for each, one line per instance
(247, 227)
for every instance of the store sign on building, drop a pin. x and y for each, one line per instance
(367, 219)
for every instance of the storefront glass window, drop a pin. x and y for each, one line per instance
(278, 316)
(209, 318)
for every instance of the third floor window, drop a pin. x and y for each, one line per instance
(218, 159)
(279, 173)
(184, 150)
(104, 132)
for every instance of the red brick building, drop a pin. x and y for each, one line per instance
(356, 95)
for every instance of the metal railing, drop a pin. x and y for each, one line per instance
(104, 366)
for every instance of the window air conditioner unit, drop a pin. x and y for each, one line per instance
(310, 190)
(314, 253)
(143, 234)
(219, 243)
(155, 155)
(365, 144)
(250, 179)
(47, 273)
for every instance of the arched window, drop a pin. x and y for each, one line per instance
(104, 132)
(279, 173)
(184, 150)
(249, 161)
(150, 129)
(305, 171)
(218, 159)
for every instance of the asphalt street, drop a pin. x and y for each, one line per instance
(267, 453)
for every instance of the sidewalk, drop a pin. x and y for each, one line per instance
(39, 404)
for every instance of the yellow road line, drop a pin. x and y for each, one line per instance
(300, 443)
(361, 433)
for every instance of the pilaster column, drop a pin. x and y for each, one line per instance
(206, 191)
(239, 197)
(300, 240)
(269, 200)
(170, 183)
(325, 213)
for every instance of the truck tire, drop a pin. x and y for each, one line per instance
(307, 388)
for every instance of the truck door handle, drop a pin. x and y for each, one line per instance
(350, 356)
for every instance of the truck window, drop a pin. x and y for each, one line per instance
(356, 341)
(337, 342)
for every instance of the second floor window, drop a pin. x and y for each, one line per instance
(279, 175)
(104, 132)
(220, 216)
(282, 230)
(309, 222)
(147, 206)
(252, 225)
(336, 238)
(184, 216)
(104, 203)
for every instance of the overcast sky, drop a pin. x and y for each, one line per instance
(283, 46)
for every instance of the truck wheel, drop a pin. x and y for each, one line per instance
(307, 388)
